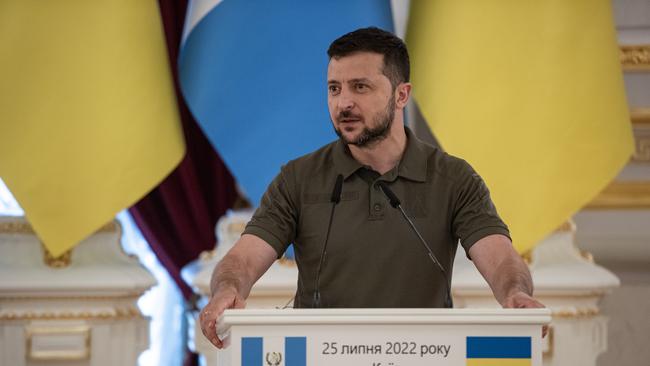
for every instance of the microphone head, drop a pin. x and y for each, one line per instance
(338, 186)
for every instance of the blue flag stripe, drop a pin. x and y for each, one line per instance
(254, 75)
(295, 350)
(498, 347)
(251, 351)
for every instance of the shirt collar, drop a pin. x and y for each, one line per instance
(413, 165)
(343, 160)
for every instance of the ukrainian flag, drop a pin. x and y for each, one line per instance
(498, 351)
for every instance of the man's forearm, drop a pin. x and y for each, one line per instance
(511, 276)
(231, 272)
(248, 259)
(502, 268)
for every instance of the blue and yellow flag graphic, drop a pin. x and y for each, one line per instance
(498, 351)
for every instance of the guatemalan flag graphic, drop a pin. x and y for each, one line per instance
(253, 73)
(276, 351)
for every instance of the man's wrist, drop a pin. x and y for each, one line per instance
(518, 292)
(223, 287)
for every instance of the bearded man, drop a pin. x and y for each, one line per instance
(373, 257)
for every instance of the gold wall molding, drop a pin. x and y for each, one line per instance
(82, 331)
(551, 342)
(640, 116)
(20, 226)
(635, 57)
(566, 227)
(575, 313)
(642, 151)
(284, 261)
(623, 195)
(586, 255)
(116, 313)
(641, 126)
(134, 296)
(206, 255)
(237, 227)
(61, 261)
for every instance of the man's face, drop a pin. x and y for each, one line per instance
(360, 98)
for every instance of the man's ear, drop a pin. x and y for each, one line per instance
(402, 95)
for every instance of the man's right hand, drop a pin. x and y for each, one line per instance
(232, 280)
(224, 299)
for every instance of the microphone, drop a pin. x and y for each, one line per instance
(334, 199)
(395, 202)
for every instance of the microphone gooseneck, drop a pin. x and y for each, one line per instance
(334, 199)
(395, 202)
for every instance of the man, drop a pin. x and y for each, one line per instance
(373, 257)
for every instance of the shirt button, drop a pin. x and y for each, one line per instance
(377, 207)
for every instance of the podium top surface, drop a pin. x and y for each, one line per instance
(241, 317)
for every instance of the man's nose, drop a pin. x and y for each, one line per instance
(345, 100)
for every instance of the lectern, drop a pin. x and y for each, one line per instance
(382, 337)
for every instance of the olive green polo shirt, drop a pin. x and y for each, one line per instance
(373, 258)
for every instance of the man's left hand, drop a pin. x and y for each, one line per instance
(521, 300)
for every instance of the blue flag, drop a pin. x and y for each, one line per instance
(253, 74)
(287, 351)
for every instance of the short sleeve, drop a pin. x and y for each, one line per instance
(474, 214)
(275, 220)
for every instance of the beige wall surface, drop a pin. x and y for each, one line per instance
(628, 309)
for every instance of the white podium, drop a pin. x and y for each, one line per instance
(382, 337)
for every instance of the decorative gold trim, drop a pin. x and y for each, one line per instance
(566, 227)
(577, 313)
(641, 126)
(635, 57)
(284, 261)
(117, 313)
(16, 227)
(551, 342)
(133, 296)
(642, 151)
(206, 255)
(21, 226)
(237, 227)
(640, 116)
(61, 261)
(586, 255)
(623, 195)
(54, 355)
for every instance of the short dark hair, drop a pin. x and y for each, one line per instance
(372, 39)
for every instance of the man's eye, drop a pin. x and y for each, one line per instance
(333, 89)
(361, 87)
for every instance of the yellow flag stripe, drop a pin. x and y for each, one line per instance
(499, 362)
(531, 94)
(87, 111)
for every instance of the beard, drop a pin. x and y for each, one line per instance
(371, 135)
